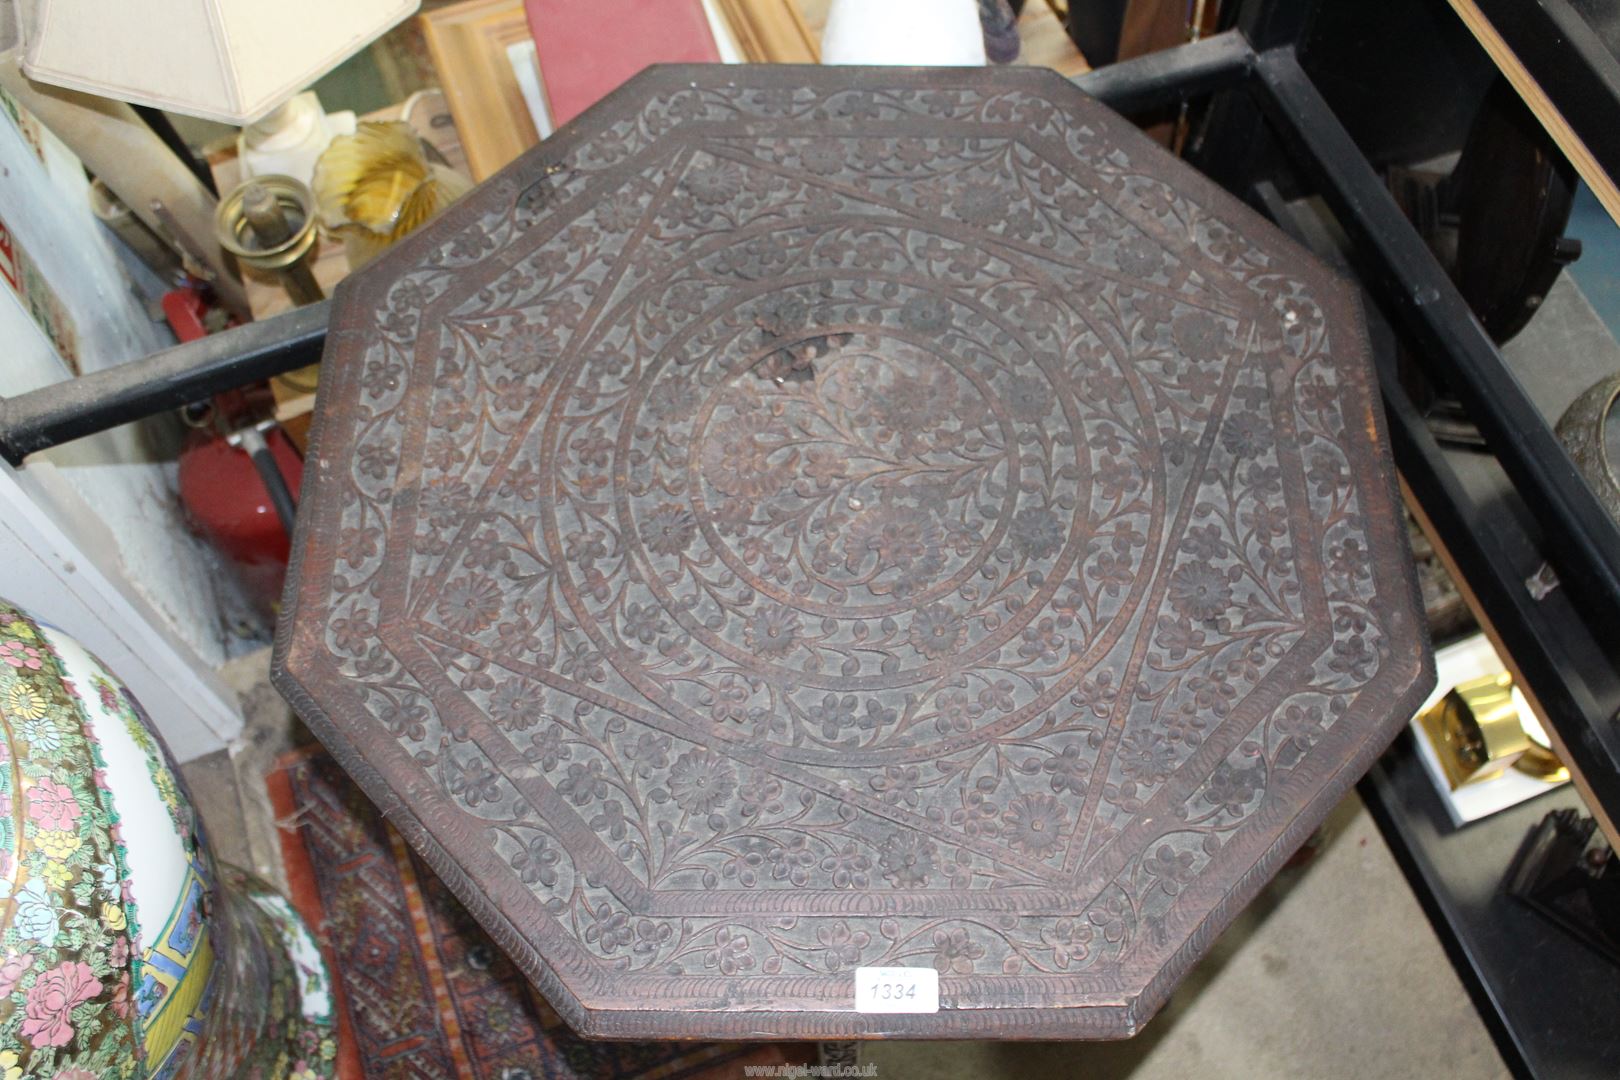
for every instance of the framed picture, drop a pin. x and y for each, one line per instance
(503, 81)
(513, 70)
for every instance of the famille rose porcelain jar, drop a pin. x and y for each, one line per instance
(126, 951)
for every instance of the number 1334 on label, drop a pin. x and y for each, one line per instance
(896, 990)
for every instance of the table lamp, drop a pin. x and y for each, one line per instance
(226, 60)
(235, 61)
(80, 64)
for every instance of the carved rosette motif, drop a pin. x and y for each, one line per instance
(801, 520)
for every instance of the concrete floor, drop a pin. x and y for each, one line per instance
(1333, 972)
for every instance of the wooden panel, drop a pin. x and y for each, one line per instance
(771, 31)
(468, 42)
(1602, 185)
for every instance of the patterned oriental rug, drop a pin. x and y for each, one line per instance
(422, 993)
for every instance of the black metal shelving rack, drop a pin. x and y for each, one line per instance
(1571, 49)
(1550, 1003)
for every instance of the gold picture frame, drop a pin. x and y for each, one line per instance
(468, 44)
(770, 31)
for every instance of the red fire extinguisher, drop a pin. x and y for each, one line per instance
(228, 501)
(239, 474)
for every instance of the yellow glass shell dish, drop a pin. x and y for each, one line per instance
(377, 186)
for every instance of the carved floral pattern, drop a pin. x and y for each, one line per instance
(898, 491)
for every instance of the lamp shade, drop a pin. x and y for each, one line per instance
(226, 60)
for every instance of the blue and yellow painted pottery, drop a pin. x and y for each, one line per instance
(125, 950)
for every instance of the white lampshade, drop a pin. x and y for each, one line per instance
(227, 60)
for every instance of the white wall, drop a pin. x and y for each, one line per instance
(91, 536)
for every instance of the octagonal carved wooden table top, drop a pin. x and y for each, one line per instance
(799, 520)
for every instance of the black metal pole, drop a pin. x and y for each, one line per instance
(1379, 791)
(1269, 24)
(264, 460)
(1403, 272)
(1568, 671)
(165, 380)
(163, 128)
(1220, 62)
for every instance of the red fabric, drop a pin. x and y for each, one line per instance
(420, 991)
(587, 48)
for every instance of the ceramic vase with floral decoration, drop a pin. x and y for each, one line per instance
(126, 951)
